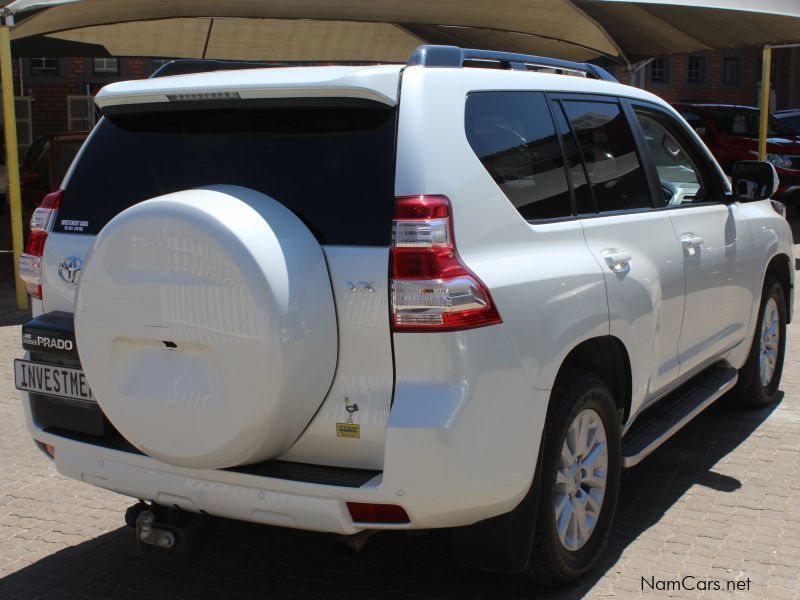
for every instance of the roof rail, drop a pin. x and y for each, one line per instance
(185, 66)
(453, 56)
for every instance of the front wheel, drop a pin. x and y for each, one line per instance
(760, 376)
(580, 478)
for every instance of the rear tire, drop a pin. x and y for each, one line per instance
(580, 478)
(760, 376)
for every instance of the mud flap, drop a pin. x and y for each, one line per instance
(501, 544)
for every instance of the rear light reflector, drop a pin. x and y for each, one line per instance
(30, 262)
(50, 450)
(363, 512)
(432, 289)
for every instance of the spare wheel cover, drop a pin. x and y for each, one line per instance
(239, 286)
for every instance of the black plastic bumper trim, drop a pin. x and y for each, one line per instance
(276, 469)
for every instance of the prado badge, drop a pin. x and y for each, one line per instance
(348, 429)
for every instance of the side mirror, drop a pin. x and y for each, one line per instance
(753, 180)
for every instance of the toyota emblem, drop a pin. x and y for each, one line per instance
(69, 269)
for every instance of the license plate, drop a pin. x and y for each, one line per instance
(53, 380)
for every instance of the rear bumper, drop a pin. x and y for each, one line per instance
(457, 452)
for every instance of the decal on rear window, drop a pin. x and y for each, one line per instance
(73, 225)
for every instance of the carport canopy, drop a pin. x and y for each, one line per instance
(388, 30)
(623, 31)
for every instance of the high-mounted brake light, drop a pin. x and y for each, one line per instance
(30, 263)
(432, 289)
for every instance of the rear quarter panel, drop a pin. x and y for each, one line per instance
(548, 288)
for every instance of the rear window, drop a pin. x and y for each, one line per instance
(332, 166)
(744, 122)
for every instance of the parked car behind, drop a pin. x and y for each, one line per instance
(45, 165)
(790, 118)
(731, 133)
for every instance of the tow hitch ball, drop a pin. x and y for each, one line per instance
(155, 536)
(166, 531)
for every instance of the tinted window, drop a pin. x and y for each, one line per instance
(67, 149)
(32, 154)
(677, 173)
(744, 122)
(43, 166)
(333, 167)
(513, 135)
(609, 153)
(693, 119)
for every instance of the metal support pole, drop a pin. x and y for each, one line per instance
(766, 72)
(12, 158)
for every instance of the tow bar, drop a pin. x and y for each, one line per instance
(166, 532)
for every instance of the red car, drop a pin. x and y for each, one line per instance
(45, 165)
(731, 133)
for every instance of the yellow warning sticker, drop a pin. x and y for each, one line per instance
(348, 430)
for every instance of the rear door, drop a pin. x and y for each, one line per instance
(716, 242)
(330, 161)
(635, 244)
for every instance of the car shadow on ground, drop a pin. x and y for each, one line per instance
(250, 561)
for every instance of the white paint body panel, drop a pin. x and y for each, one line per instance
(442, 431)
(452, 420)
(720, 279)
(365, 371)
(770, 238)
(646, 300)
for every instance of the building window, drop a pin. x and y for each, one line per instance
(81, 114)
(44, 66)
(106, 66)
(659, 70)
(730, 71)
(696, 69)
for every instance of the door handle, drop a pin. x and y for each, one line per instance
(691, 242)
(617, 260)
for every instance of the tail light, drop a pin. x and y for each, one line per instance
(30, 262)
(432, 289)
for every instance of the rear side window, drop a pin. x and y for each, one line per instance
(609, 153)
(333, 166)
(513, 135)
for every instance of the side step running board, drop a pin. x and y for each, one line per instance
(659, 423)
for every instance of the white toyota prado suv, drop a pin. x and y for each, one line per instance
(463, 293)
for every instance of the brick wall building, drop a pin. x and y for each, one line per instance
(55, 94)
(725, 76)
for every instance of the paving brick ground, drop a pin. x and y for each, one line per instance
(719, 502)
